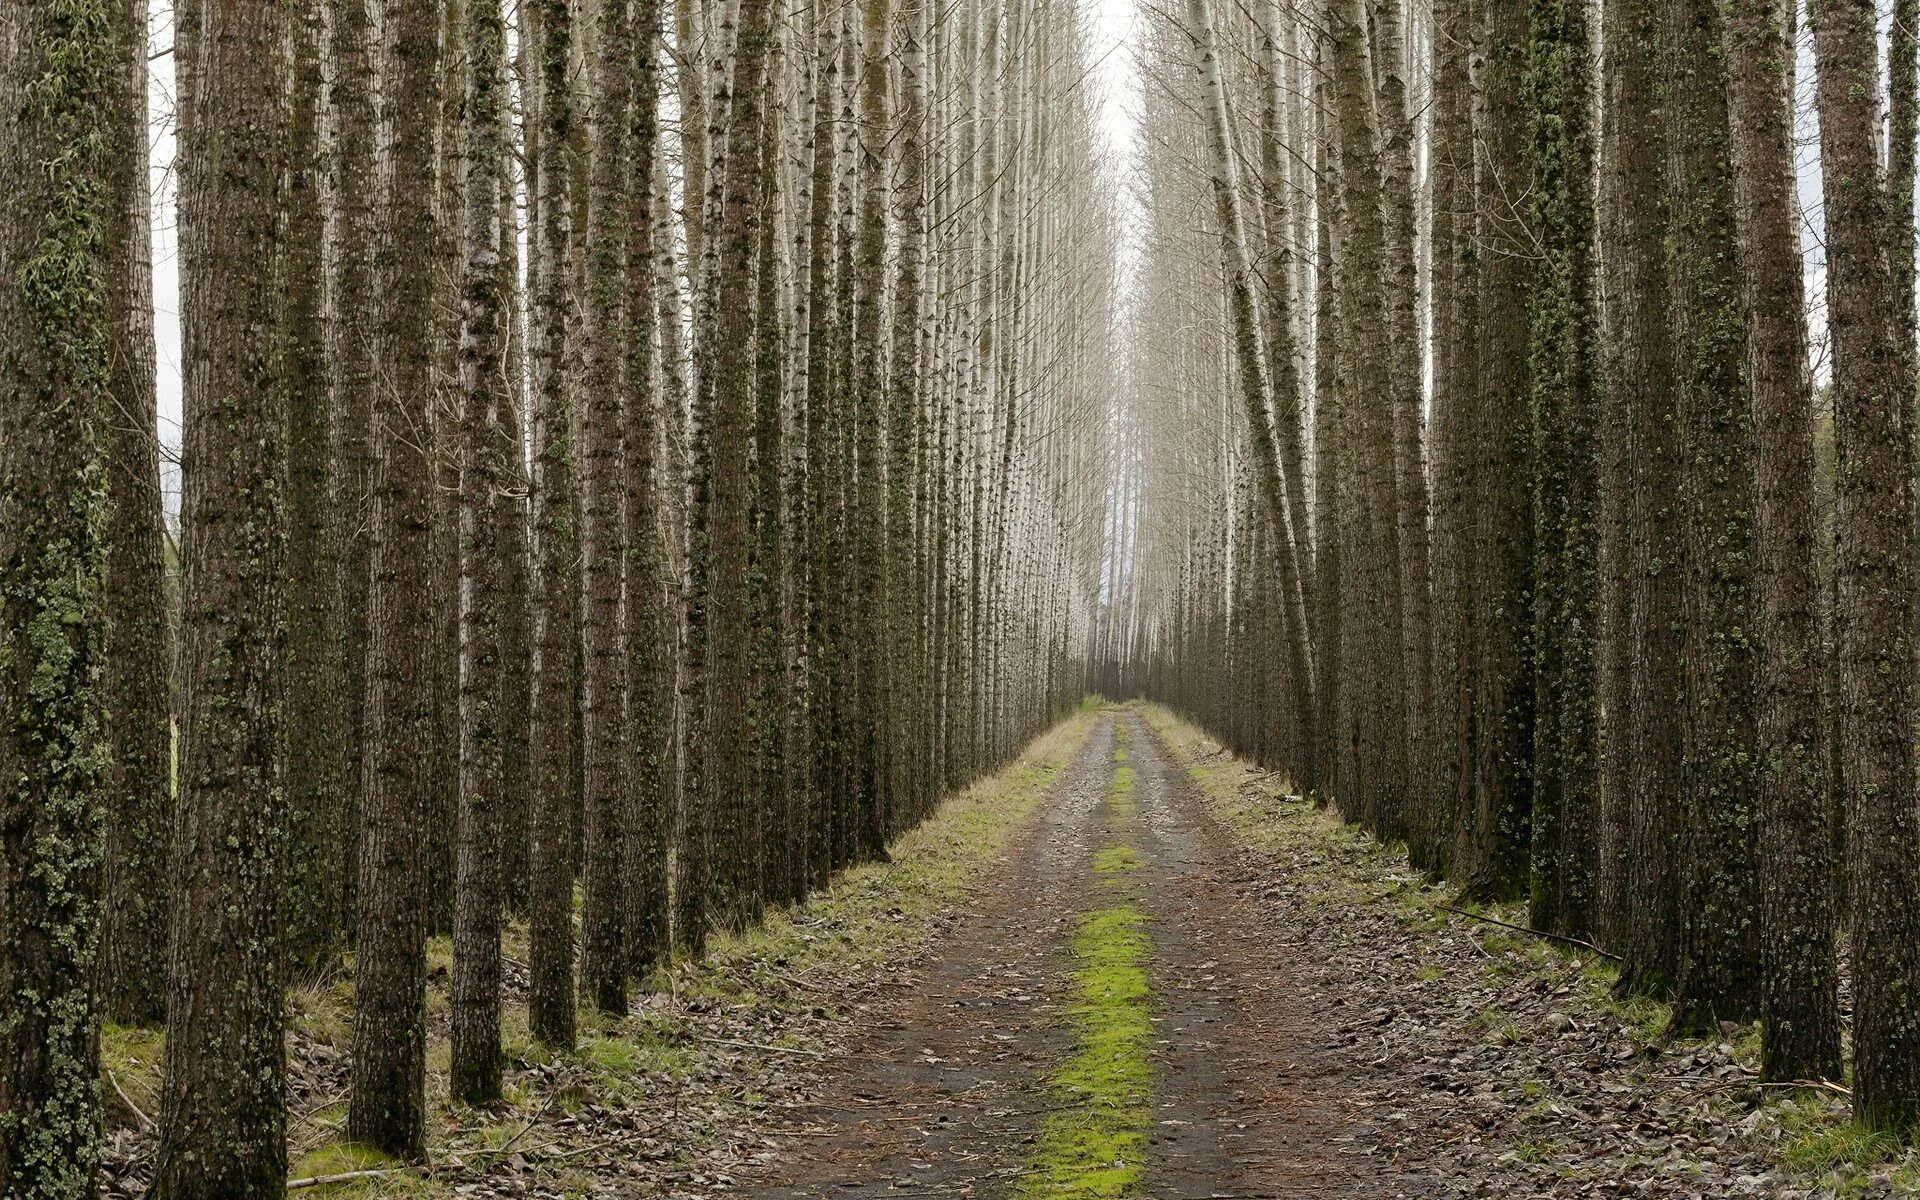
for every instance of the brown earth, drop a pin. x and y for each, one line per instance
(1321, 1029)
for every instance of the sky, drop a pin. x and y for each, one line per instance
(166, 258)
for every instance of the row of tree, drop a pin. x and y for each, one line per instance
(630, 447)
(1492, 498)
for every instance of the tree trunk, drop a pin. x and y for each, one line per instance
(555, 591)
(1561, 329)
(387, 1108)
(139, 655)
(476, 1057)
(1719, 953)
(1799, 1002)
(649, 627)
(352, 356)
(603, 702)
(63, 131)
(316, 778)
(223, 1105)
(1496, 863)
(1872, 423)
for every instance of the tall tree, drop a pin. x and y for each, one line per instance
(223, 1104)
(554, 590)
(1717, 978)
(1642, 899)
(352, 352)
(316, 773)
(1873, 415)
(1799, 1005)
(1250, 354)
(1561, 329)
(1499, 829)
(476, 949)
(62, 118)
(603, 699)
(866, 396)
(650, 629)
(387, 1103)
(1450, 752)
(133, 968)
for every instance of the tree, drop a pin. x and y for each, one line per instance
(1450, 744)
(1718, 960)
(476, 960)
(133, 969)
(1799, 1004)
(1561, 330)
(387, 1102)
(63, 117)
(1873, 412)
(1498, 835)
(316, 773)
(1642, 898)
(352, 354)
(650, 631)
(603, 698)
(555, 596)
(223, 1104)
(1250, 355)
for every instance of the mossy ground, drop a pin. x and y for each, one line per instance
(672, 1053)
(1094, 1146)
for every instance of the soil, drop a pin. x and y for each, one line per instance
(940, 1095)
(1312, 1037)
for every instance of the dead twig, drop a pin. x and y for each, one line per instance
(770, 1049)
(1539, 933)
(1791, 1085)
(349, 1176)
(146, 1122)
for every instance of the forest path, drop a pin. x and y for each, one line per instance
(1029, 1061)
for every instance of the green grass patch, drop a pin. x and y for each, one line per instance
(1848, 1145)
(1116, 860)
(1096, 1149)
(345, 1158)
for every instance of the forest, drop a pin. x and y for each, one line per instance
(1068, 598)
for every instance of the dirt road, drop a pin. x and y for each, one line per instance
(1002, 1074)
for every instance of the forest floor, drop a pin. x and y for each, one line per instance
(1129, 965)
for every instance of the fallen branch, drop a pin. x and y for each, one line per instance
(507, 1145)
(771, 1049)
(1730, 1085)
(1539, 933)
(349, 1176)
(145, 1120)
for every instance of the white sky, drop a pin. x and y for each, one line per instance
(166, 259)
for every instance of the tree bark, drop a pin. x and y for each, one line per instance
(1799, 1002)
(387, 1105)
(139, 656)
(476, 1057)
(223, 1104)
(1873, 416)
(64, 126)
(555, 592)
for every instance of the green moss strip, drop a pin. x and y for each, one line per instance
(1097, 1148)
(1115, 860)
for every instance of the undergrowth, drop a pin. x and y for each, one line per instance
(868, 915)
